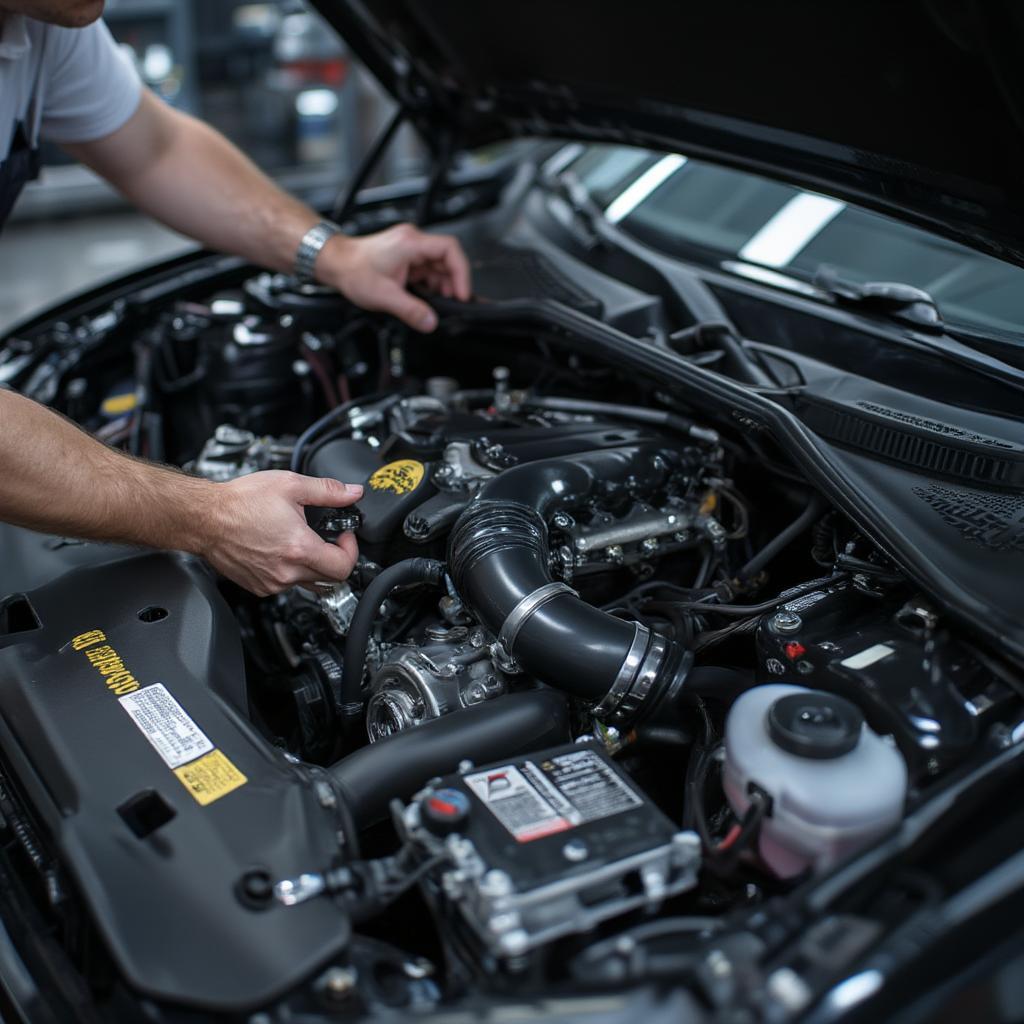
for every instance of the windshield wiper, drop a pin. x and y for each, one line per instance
(901, 302)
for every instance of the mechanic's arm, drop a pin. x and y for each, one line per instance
(57, 479)
(189, 176)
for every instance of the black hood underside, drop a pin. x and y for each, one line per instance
(913, 108)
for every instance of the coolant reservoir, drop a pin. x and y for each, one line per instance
(835, 785)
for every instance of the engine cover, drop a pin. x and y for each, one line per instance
(170, 813)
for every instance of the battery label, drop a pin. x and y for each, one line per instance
(593, 788)
(516, 803)
(164, 722)
(560, 793)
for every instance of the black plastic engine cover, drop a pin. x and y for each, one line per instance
(158, 854)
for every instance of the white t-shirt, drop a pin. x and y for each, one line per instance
(63, 84)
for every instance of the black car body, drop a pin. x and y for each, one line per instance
(516, 766)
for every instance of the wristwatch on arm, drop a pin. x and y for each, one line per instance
(309, 248)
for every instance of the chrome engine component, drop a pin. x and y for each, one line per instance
(338, 603)
(644, 533)
(233, 452)
(454, 669)
(459, 469)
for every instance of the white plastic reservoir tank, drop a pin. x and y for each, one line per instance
(835, 785)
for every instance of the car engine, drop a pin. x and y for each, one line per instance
(608, 676)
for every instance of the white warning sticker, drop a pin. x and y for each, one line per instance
(869, 656)
(537, 799)
(516, 803)
(163, 721)
(586, 785)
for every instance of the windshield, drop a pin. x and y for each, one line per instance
(751, 224)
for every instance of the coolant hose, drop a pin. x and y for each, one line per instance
(396, 767)
(498, 560)
(412, 570)
(815, 507)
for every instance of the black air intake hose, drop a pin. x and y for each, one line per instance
(396, 767)
(498, 559)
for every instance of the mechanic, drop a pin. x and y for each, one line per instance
(63, 78)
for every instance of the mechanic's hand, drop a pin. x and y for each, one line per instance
(255, 531)
(373, 271)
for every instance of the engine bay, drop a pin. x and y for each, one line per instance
(609, 681)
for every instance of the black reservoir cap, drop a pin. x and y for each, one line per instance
(815, 724)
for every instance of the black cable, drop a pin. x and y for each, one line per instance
(414, 876)
(694, 768)
(765, 606)
(725, 861)
(782, 540)
(661, 417)
(744, 364)
(317, 426)
(650, 585)
(711, 638)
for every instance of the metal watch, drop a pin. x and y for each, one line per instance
(309, 248)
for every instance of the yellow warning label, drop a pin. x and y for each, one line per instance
(106, 661)
(210, 777)
(402, 476)
(117, 405)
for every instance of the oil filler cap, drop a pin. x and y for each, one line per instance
(815, 724)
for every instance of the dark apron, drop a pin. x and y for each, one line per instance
(22, 165)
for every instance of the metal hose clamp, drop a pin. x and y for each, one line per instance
(627, 672)
(525, 609)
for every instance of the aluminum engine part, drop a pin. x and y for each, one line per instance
(643, 533)
(452, 670)
(233, 452)
(458, 469)
(338, 603)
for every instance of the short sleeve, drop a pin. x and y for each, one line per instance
(91, 87)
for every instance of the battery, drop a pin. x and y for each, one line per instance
(547, 845)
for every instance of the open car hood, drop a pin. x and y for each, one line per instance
(915, 109)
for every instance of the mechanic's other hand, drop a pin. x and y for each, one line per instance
(374, 271)
(255, 531)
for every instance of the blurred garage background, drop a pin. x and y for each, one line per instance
(271, 76)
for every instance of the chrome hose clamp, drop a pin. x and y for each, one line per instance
(525, 608)
(627, 672)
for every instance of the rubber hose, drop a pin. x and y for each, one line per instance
(412, 570)
(400, 765)
(782, 540)
(498, 559)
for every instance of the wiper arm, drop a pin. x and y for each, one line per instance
(586, 213)
(901, 302)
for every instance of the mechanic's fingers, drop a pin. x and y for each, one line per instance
(333, 561)
(326, 492)
(394, 299)
(447, 251)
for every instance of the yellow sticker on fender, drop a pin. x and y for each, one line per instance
(210, 777)
(402, 477)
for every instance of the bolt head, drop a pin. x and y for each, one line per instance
(575, 851)
(496, 883)
(785, 622)
(339, 982)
